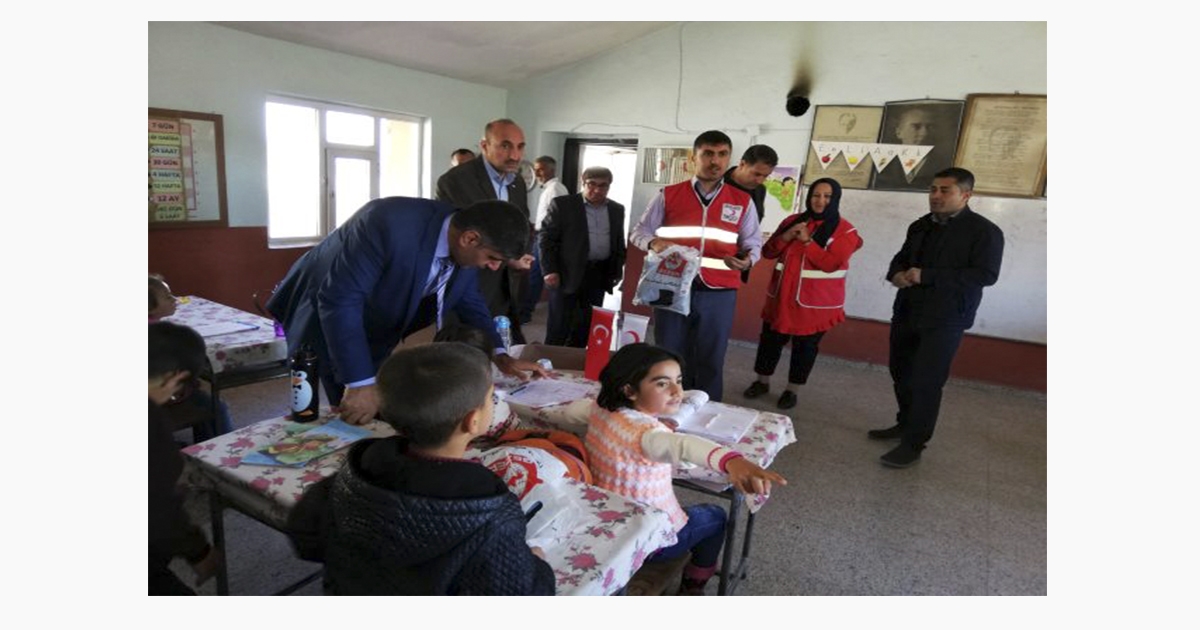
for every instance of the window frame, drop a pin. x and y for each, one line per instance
(326, 220)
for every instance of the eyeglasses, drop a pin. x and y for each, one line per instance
(591, 183)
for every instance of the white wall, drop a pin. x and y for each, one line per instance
(734, 75)
(208, 68)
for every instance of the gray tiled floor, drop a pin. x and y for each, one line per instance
(970, 519)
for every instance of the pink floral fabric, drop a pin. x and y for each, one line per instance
(608, 539)
(768, 435)
(237, 349)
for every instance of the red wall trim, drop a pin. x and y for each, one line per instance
(229, 264)
(1001, 361)
(226, 265)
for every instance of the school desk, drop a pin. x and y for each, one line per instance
(610, 538)
(767, 435)
(242, 347)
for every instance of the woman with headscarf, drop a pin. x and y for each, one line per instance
(808, 289)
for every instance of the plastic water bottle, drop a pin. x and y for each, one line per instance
(504, 329)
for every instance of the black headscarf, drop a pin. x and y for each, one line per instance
(830, 217)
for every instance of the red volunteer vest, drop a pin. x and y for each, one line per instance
(713, 231)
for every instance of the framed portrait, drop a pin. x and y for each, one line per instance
(842, 123)
(186, 169)
(922, 122)
(1004, 144)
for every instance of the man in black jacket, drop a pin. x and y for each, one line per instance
(947, 258)
(176, 357)
(756, 165)
(583, 255)
(494, 175)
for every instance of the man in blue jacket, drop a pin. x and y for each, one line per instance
(948, 256)
(397, 266)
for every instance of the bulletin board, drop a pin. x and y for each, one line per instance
(186, 169)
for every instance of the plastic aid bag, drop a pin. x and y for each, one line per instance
(666, 280)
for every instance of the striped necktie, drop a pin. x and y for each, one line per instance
(443, 278)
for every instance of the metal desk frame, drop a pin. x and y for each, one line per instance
(729, 578)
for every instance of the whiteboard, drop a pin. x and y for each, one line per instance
(1013, 308)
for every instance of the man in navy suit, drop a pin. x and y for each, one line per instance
(397, 266)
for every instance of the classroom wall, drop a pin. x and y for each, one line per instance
(209, 68)
(667, 87)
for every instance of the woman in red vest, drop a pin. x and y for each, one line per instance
(808, 289)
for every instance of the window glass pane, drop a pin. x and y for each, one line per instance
(353, 129)
(351, 187)
(400, 156)
(293, 171)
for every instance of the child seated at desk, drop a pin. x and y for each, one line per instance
(633, 453)
(191, 406)
(176, 353)
(407, 515)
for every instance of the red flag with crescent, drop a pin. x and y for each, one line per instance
(599, 342)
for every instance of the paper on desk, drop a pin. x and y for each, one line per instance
(720, 423)
(213, 329)
(545, 392)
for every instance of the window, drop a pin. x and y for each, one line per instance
(325, 161)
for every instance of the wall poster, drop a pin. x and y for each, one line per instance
(186, 169)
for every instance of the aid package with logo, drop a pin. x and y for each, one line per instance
(666, 280)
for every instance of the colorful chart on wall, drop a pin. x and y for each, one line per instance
(186, 169)
(781, 186)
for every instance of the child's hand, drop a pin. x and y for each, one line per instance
(207, 566)
(750, 478)
(537, 551)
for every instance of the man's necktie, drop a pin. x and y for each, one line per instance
(443, 278)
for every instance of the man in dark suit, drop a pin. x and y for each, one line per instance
(493, 175)
(948, 256)
(394, 268)
(583, 254)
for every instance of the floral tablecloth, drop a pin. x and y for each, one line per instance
(767, 435)
(608, 539)
(235, 349)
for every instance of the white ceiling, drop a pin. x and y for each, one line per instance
(501, 54)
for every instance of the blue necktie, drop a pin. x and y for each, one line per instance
(443, 278)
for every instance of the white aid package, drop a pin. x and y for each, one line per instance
(536, 476)
(666, 280)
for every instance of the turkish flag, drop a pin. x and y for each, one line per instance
(599, 342)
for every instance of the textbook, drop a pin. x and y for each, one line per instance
(306, 442)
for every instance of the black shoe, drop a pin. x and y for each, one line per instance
(756, 389)
(890, 433)
(787, 400)
(902, 456)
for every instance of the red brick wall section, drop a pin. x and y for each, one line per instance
(1000, 361)
(226, 265)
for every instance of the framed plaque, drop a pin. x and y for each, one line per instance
(186, 169)
(1004, 144)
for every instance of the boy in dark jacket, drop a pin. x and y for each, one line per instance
(176, 355)
(406, 515)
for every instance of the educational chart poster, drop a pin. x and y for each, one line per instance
(185, 168)
(781, 185)
(842, 124)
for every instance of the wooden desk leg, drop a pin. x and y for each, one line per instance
(735, 508)
(216, 510)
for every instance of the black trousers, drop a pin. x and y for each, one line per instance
(919, 361)
(770, 349)
(163, 581)
(570, 314)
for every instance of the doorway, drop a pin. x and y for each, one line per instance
(618, 155)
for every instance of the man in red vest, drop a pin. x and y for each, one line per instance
(721, 222)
